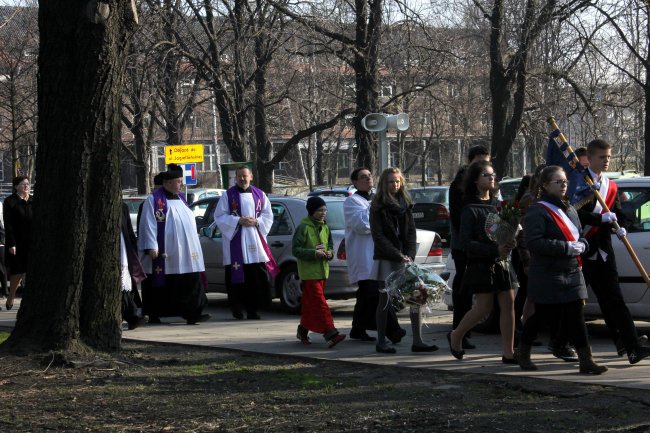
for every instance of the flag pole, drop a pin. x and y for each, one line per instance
(553, 124)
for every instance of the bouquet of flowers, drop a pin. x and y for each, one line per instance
(503, 226)
(415, 285)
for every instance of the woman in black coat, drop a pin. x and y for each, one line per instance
(17, 212)
(394, 236)
(555, 282)
(487, 272)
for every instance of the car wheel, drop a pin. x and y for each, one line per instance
(290, 292)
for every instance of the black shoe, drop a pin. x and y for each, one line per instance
(620, 346)
(458, 354)
(467, 344)
(237, 314)
(137, 322)
(512, 360)
(396, 335)
(201, 318)
(431, 348)
(302, 334)
(154, 321)
(565, 352)
(385, 349)
(253, 316)
(638, 354)
(361, 335)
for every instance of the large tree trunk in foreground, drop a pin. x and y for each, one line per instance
(72, 296)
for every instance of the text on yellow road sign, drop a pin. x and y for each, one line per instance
(182, 154)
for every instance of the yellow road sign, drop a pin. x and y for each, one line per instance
(183, 153)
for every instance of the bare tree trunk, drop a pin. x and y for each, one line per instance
(263, 146)
(424, 163)
(320, 179)
(368, 31)
(74, 265)
(217, 149)
(646, 123)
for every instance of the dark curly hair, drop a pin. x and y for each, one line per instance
(470, 191)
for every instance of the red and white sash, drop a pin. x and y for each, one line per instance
(562, 220)
(608, 191)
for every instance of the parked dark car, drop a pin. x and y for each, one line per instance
(508, 187)
(333, 192)
(431, 209)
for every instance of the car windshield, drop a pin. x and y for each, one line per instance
(335, 219)
(433, 195)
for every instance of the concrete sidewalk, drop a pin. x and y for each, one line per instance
(276, 334)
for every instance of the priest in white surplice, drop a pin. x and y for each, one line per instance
(244, 217)
(170, 252)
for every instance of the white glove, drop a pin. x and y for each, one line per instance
(621, 233)
(608, 217)
(575, 248)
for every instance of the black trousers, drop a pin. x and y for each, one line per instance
(602, 276)
(364, 315)
(461, 298)
(570, 314)
(182, 295)
(4, 291)
(253, 293)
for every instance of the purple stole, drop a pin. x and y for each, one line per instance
(160, 212)
(236, 253)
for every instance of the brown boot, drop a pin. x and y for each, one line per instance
(523, 356)
(587, 364)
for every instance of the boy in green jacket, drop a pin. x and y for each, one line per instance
(312, 247)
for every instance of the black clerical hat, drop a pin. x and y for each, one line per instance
(158, 179)
(174, 171)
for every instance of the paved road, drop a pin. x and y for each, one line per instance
(275, 334)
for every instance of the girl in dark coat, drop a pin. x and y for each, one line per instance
(555, 282)
(394, 235)
(487, 272)
(17, 212)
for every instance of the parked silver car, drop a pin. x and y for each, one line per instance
(287, 214)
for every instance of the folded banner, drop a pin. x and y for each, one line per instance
(560, 153)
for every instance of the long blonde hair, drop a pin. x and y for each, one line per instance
(383, 196)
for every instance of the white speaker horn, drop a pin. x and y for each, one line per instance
(398, 121)
(374, 122)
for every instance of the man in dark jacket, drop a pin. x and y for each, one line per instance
(462, 301)
(599, 268)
